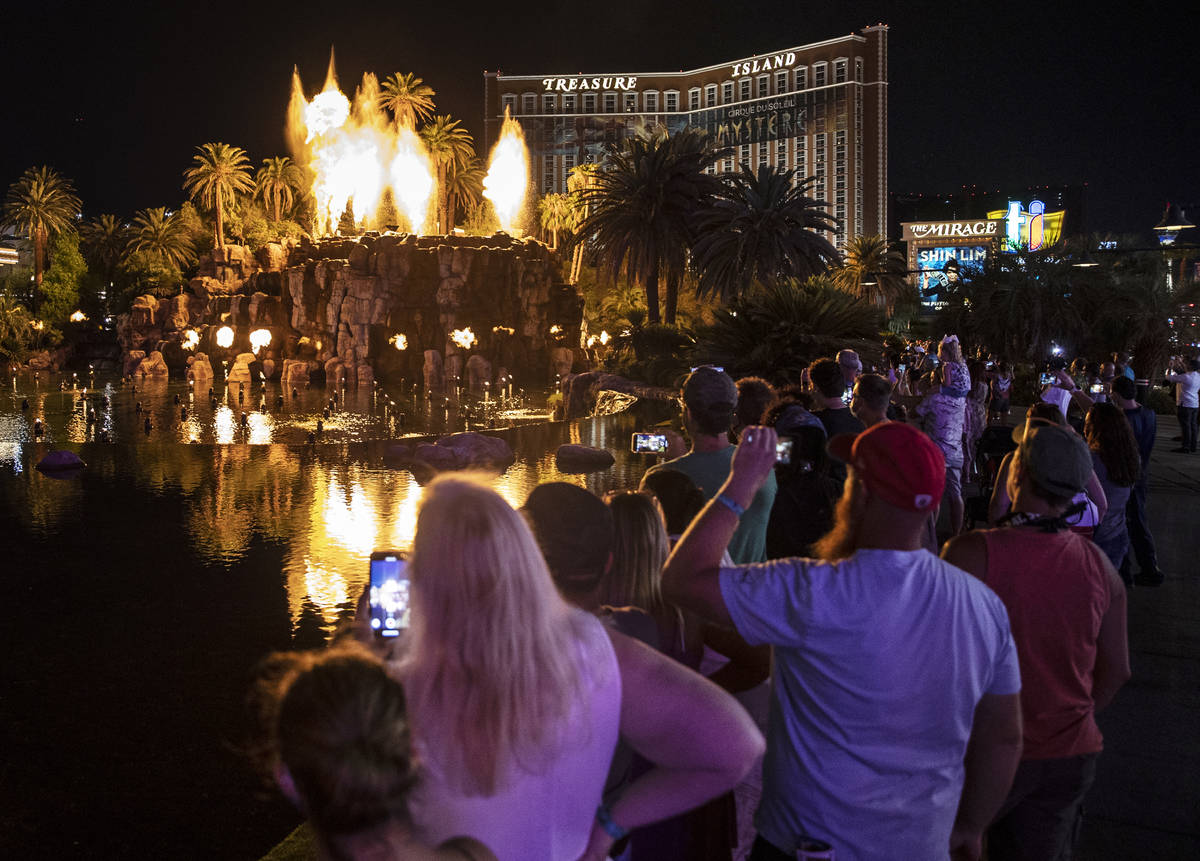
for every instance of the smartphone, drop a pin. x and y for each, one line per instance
(848, 395)
(783, 450)
(1048, 379)
(389, 593)
(713, 367)
(902, 367)
(991, 365)
(648, 443)
(1097, 388)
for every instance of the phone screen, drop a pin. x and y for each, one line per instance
(1047, 379)
(1097, 388)
(848, 395)
(783, 450)
(649, 443)
(389, 593)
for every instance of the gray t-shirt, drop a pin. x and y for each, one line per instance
(880, 660)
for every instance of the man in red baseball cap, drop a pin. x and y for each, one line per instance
(888, 661)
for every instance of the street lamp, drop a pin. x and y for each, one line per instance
(1173, 223)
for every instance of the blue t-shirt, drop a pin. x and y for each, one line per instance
(880, 660)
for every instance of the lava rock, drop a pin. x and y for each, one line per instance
(582, 458)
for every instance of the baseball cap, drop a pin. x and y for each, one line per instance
(708, 388)
(1056, 458)
(575, 531)
(793, 417)
(896, 462)
(849, 359)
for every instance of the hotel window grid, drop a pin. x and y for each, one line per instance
(781, 149)
(802, 157)
(672, 101)
(568, 166)
(858, 69)
(610, 103)
(762, 154)
(744, 155)
(529, 103)
(819, 70)
(727, 165)
(727, 93)
(650, 99)
(589, 103)
(694, 99)
(839, 70)
(630, 103)
(781, 82)
(764, 86)
(710, 96)
(508, 102)
(802, 78)
(568, 104)
(548, 104)
(744, 89)
(548, 174)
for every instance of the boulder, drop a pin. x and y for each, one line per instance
(239, 372)
(433, 371)
(581, 390)
(179, 313)
(295, 372)
(60, 461)
(582, 458)
(199, 369)
(479, 371)
(42, 360)
(364, 375)
(132, 359)
(463, 450)
(154, 365)
(272, 257)
(561, 361)
(335, 372)
(268, 368)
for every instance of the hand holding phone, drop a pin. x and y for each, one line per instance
(783, 450)
(389, 597)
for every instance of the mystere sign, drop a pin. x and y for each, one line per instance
(984, 228)
(750, 122)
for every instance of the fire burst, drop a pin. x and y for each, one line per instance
(508, 174)
(260, 338)
(464, 338)
(355, 153)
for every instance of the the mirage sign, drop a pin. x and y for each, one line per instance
(983, 228)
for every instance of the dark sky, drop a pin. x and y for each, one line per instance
(1000, 95)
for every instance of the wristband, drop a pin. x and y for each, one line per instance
(612, 829)
(730, 504)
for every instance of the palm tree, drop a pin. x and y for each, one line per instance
(220, 172)
(464, 185)
(275, 183)
(105, 240)
(641, 207)
(15, 331)
(44, 204)
(579, 181)
(556, 213)
(762, 229)
(874, 269)
(161, 237)
(408, 98)
(448, 144)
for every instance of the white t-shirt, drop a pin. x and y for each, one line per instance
(880, 661)
(1187, 388)
(546, 813)
(1058, 396)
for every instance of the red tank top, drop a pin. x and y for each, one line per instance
(1056, 590)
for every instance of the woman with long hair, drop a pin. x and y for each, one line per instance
(517, 698)
(1117, 464)
(976, 416)
(336, 740)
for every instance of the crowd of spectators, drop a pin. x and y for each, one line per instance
(746, 633)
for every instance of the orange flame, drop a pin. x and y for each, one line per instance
(508, 174)
(464, 338)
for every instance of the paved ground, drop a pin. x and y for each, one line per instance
(1146, 800)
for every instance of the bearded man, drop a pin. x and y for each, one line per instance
(895, 723)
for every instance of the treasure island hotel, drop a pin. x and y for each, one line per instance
(819, 108)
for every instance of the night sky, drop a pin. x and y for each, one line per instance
(999, 95)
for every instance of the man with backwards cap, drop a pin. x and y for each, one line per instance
(1067, 607)
(888, 661)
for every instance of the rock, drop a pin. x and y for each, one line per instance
(268, 368)
(154, 365)
(60, 461)
(200, 369)
(561, 361)
(479, 371)
(580, 391)
(42, 360)
(433, 371)
(295, 372)
(239, 372)
(582, 458)
(463, 450)
(179, 313)
(364, 375)
(133, 358)
(272, 257)
(335, 372)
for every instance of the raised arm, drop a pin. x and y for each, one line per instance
(700, 740)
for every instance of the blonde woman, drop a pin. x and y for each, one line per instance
(517, 698)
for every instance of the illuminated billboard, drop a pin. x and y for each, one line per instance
(932, 275)
(1031, 229)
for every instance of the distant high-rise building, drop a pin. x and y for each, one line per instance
(819, 108)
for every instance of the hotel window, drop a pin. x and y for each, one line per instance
(568, 104)
(764, 85)
(781, 152)
(727, 93)
(589, 103)
(762, 154)
(839, 70)
(802, 78)
(509, 101)
(858, 69)
(727, 165)
(672, 101)
(529, 103)
(819, 70)
(630, 103)
(548, 104)
(744, 155)
(694, 99)
(744, 89)
(610, 103)
(548, 174)
(781, 79)
(650, 100)
(568, 166)
(710, 96)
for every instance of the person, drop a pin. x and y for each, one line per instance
(754, 396)
(1116, 463)
(517, 698)
(1124, 365)
(871, 399)
(975, 419)
(709, 398)
(807, 494)
(1066, 605)
(832, 407)
(678, 497)
(943, 416)
(895, 721)
(953, 371)
(337, 741)
(1144, 423)
(851, 367)
(1186, 377)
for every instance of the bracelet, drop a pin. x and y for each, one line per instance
(730, 504)
(612, 829)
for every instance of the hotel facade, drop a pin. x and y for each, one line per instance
(819, 108)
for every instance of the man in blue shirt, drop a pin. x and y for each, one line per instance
(1145, 428)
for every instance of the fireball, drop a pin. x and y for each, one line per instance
(605, 338)
(191, 339)
(259, 338)
(508, 174)
(78, 317)
(464, 338)
(225, 337)
(400, 342)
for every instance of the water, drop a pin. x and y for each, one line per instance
(141, 593)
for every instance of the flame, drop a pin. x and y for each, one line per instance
(191, 339)
(400, 342)
(464, 338)
(78, 317)
(605, 337)
(505, 330)
(556, 329)
(591, 341)
(355, 152)
(259, 338)
(37, 325)
(508, 174)
(225, 337)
